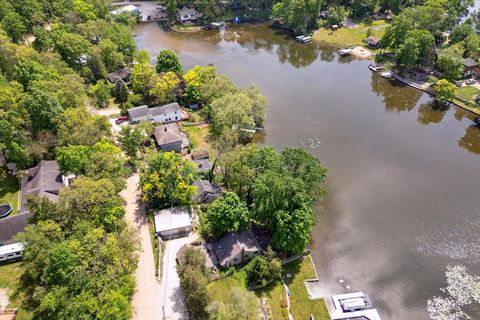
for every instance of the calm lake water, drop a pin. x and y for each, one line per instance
(403, 176)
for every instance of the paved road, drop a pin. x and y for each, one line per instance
(145, 300)
(171, 294)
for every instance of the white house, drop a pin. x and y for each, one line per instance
(168, 113)
(186, 14)
(138, 114)
(172, 223)
(130, 8)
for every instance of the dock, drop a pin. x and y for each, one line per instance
(352, 306)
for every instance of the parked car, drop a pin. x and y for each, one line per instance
(160, 8)
(121, 120)
(471, 81)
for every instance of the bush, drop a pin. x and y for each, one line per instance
(261, 270)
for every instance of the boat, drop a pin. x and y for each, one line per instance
(345, 52)
(300, 38)
(375, 67)
(306, 40)
(386, 75)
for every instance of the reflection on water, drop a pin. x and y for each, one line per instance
(403, 173)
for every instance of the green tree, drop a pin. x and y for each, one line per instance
(238, 304)
(73, 159)
(143, 77)
(298, 15)
(444, 91)
(44, 111)
(460, 33)
(80, 127)
(165, 88)
(14, 26)
(472, 46)
(131, 139)
(167, 60)
(408, 53)
(451, 66)
(167, 180)
(120, 91)
(43, 40)
(112, 58)
(261, 270)
(100, 93)
(171, 9)
(194, 285)
(226, 214)
(72, 46)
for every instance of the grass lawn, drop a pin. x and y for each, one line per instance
(301, 305)
(467, 92)
(9, 192)
(345, 37)
(198, 137)
(9, 278)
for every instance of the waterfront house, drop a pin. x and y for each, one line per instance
(172, 223)
(169, 138)
(167, 113)
(188, 15)
(122, 74)
(206, 192)
(129, 8)
(234, 248)
(470, 68)
(137, 114)
(44, 180)
(373, 42)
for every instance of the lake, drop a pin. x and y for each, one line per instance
(403, 175)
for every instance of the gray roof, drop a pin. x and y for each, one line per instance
(204, 186)
(11, 226)
(469, 62)
(233, 243)
(168, 108)
(372, 40)
(44, 180)
(122, 74)
(137, 112)
(167, 133)
(200, 154)
(203, 165)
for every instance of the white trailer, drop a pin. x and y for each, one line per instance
(11, 251)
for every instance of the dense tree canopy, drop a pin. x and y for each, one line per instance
(167, 60)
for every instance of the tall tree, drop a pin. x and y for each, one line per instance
(167, 60)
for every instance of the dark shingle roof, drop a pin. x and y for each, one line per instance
(122, 74)
(11, 226)
(233, 243)
(168, 108)
(204, 186)
(44, 180)
(167, 133)
(203, 165)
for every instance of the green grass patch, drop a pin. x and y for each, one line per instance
(301, 304)
(153, 239)
(467, 92)
(198, 137)
(9, 278)
(346, 37)
(9, 192)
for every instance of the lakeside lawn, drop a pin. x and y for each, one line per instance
(9, 278)
(467, 92)
(198, 137)
(9, 192)
(301, 305)
(355, 36)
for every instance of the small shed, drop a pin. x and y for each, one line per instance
(373, 42)
(200, 154)
(172, 223)
(334, 27)
(138, 114)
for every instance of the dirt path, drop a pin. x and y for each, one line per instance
(145, 301)
(3, 298)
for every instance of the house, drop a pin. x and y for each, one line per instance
(122, 74)
(168, 113)
(203, 165)
(235, 248)
(470, 68)
(206, 192)
(373, 42)
(186, 14)
(172, 223)
(169, 138)
(137, 114)
(44, 180)
(11, 226)
(130, 8)
(200, 154)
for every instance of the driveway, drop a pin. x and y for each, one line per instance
(145, 299)
(171, 295)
